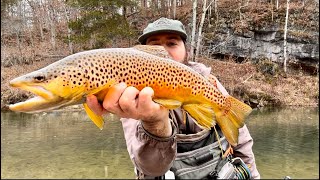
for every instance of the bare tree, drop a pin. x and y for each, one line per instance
(67, 16)
(194, 26)
(174, 7)
(285, 39)
(37, 14)
(240, 14)
(51, 18)
(271, 3)
(203, 15)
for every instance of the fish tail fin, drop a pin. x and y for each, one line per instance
(97, 120)
(231, 118)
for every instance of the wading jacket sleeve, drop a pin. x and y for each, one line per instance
(153, 156)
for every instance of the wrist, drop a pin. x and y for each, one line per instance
(161, 128)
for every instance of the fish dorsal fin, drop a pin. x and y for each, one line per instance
(154, 50)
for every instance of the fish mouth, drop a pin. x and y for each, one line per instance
(44, 99)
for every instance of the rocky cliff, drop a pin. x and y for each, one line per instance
(259, 33)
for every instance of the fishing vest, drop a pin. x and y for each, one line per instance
(203, 155)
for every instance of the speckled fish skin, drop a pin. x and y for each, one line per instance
(92, 69)
(71, 79)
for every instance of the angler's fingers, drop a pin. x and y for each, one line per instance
(128, 101)
(111, 100)
(145, 100)
(148, 110)
(94, 105)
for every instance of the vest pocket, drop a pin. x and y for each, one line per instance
(197, 164)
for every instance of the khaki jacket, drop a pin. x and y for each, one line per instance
(154, 156)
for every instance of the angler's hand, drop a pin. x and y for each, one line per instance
(128, 102)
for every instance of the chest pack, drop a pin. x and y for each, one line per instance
(199, 157)
(206, 155)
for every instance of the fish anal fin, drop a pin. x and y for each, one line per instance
(168, 103)
(97, 120)
(202, 113)
(154, 50)
(232, 118)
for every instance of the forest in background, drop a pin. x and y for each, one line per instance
(35, 29)
(35, 33)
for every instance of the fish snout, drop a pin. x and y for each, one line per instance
(15, 82)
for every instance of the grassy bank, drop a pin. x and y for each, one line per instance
(246, 81)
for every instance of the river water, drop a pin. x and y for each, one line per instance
(68, 145)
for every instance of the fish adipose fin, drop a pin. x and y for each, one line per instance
(168, 103)
(202, 113)
(232, 118)
(97, 120)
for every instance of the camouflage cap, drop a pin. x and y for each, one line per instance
(163, 25)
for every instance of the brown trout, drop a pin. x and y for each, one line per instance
(69, 80)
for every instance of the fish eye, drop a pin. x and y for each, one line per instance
(39, 78)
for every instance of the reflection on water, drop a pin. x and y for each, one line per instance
(69, 145)
(62, 145)
(286, 142)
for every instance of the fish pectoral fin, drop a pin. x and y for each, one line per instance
(231, 119)
(97, 120)
(168, 103)
(154, 50)
(202, 113)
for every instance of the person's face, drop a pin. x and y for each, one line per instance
(172, 43)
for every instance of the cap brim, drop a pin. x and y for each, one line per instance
(142, 39)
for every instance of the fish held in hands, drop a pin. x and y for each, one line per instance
(69, 80)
